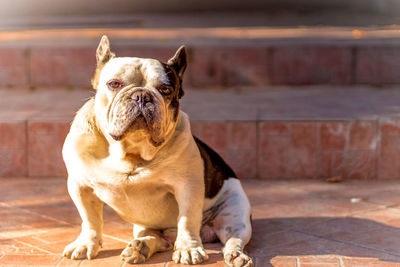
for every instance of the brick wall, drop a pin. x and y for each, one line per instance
(216, 66)
(367, 149)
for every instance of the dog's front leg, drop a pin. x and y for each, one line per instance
(188, 248)
(90, 209)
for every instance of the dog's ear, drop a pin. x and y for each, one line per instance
(103, 55)
(179, 61)
(103, 52)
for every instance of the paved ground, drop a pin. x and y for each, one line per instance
(296, 223)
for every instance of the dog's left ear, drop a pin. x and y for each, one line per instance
(179, 61)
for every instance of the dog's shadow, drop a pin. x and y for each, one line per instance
(306, 236)
(104, 253)
(323, 236)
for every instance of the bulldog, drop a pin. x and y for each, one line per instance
(130, 147)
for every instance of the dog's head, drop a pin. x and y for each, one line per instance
(136, 97)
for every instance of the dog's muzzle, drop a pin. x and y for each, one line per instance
(135, 109)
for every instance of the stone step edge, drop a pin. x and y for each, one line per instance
(258, 149)
(203, 36)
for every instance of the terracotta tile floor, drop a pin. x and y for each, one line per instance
(296, 223)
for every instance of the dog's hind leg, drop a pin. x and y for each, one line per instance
(232, 224)
(145, 243)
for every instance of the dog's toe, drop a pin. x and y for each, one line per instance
(189, 255)
(80, 250)
(237, 258)
(196, 256)
(79, 253)
(135, 252)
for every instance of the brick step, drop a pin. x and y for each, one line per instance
(219, 57)
(266, 134)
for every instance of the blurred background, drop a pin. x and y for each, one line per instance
(26, 14)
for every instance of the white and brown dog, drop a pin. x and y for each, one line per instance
(131, 147)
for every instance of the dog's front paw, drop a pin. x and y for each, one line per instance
(236, 258)
(136, 252)
(82, 247)
(189, 255)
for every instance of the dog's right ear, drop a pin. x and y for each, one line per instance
(103, 55)
(103, 52)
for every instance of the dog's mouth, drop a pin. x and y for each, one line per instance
(122, 129)
(127, 117)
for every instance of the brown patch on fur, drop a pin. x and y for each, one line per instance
(178, 64)
(216, 170)
(176, 83)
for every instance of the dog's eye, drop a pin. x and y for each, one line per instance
(115, 84)
(165, 89)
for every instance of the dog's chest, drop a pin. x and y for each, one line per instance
(140, 199)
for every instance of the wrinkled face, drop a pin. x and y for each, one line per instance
(137, 98)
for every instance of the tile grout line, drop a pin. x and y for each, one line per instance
(297, 262)
(382, 207)
(377, 148)
(288, 150)
(27, 147)
(38, 248)
(115, 238)
(319, 151)
(257, 148)
(349, 243)
(59, 221)
(341, 263)
(32, 212)
(37, 231)
(28, 61)
(59, 261)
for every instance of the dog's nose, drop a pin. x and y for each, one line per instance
(142, 97)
